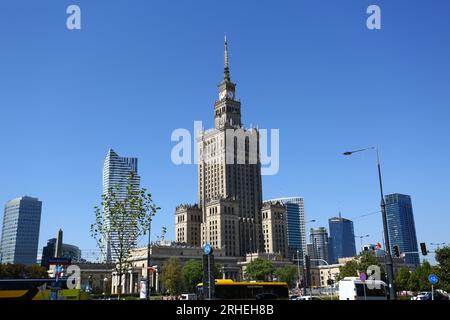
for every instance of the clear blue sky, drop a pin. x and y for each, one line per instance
(140, 69)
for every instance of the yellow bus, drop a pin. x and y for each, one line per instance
(226, 289)
(39, 289)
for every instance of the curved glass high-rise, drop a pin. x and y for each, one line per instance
(116, 175)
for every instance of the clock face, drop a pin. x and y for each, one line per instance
(222, 94)
(230, 94)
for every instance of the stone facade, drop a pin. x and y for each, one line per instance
(229, 179)
(274, 228)
(159, 254)
(188, 220)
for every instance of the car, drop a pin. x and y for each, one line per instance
(426, 296)
(188, 296)
(309, 298)
(294, 297)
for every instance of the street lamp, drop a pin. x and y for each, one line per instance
(329, 271)
(388, 256)
(298, 269)
(304, 267)
(147, 289)
(105, 280)
(361, 238)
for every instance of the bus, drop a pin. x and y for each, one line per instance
(227, 289)
(352, 288)
(39, 289)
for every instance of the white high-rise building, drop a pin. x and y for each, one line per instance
(116, 174)
(20, 231)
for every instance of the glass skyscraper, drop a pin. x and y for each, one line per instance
(342, 239)
(401, 226)
(20, 231)
(296, 229)
(319, 246)
(116, 175)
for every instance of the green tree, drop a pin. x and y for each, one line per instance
(124, 219)
(20, 271)
(443, 270)
(350, 269)
(172, 276)
(361, 264)
(259, 269)
(418, 281)
(193, 273)
(287, 273)
(402, 279)
(369, 259)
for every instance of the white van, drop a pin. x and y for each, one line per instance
(352, 288)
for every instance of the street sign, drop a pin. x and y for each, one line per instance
(207, 249)
(58, 261)
(362, 277)
(433, 279)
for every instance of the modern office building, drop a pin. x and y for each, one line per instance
(20, 231)
(342, 239)
(319, 246)
(55, 248)
(296, 226)
(229, 177)
(401, 226)
(117, 172)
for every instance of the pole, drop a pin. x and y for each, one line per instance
(432, 292)
(388, 257)
(365, 295)
(298, 272)
(209, 277)
(147, 289)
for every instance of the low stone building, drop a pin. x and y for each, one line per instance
(277, 260)
(159, 254)
(320, 275)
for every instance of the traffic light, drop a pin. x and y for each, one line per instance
(423, 248)
(396, 252)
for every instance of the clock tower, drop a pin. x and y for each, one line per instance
(227, 110)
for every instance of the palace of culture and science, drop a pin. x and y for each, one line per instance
(230, 214)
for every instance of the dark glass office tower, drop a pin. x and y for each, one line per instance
(342, 238)
(401, 226)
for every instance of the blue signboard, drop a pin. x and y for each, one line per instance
(433, 279)
(207, 249)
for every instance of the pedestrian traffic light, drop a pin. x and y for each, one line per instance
(396, 252)
(423, 248)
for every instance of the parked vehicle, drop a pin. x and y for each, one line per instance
(352, 288)
(426, 295)
(188, 296)
(309, 298)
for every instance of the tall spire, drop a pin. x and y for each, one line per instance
(226, 71)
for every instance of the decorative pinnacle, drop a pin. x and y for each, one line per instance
(226, 66)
